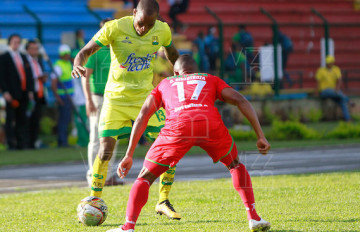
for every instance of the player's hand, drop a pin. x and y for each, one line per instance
(7, 97)
(78, 71)
(90, 108)
(263, 146)
(124, 166)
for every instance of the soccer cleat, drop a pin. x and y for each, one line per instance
(166, 208)
(120, 230)
(261, 225)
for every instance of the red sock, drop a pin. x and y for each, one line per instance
(242, 184)
(138, 197)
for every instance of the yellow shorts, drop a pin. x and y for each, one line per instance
(116, 121)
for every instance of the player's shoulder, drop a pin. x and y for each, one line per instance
(161, 27)
(120, 21)
(162, 24)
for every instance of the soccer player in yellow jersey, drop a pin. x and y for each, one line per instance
(134, 41)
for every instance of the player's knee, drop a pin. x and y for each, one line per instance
(105, 151)
(107, 145)
(233, 164)
(146, 174)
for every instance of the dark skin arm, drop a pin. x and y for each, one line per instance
(171, 53)
(81, 58)
(148, 109)
(235, 98)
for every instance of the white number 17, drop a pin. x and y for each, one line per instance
(180, 89)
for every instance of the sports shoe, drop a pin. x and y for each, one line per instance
(120, 230)
(261, 225)
(166, 208)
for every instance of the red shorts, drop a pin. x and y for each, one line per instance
(174, 141)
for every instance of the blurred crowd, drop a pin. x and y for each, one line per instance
(29, 81)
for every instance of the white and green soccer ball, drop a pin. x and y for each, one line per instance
(92, 211)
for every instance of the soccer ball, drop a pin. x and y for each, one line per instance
(92, 211)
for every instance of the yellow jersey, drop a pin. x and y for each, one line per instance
(327, 78)
(131, 70)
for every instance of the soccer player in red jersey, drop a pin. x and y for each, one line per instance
(191, 120)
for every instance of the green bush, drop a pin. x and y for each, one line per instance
(291, 131)
(345, 130)
(269, 116)
(314, 115)
(240, 135)
(46, 125)
(294, 116)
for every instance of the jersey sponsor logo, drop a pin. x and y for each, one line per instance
(126, 40)
(155, 40)
(133, 63)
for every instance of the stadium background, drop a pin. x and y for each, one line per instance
(306, 22)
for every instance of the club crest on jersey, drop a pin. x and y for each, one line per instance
(155, 40)
(133, 63)
(126, 40)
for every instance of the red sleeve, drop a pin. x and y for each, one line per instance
(157, 94)
(220, 85)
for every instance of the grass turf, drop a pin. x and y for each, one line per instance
(311, 202)
(56, 155)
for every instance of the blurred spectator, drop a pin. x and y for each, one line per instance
(80, 36)
(235, 65)
(97, 71)
(329, 85)
(40, 78)
(212, 47)
(203, 59)
(80, 118)
(128, 4)
(259, 89)
(62, 86)
(17, 85)
(195, 54)
(246, 41)
(177, 7)
(286, 49)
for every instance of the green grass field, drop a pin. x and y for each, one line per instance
(56, 155)
(312, 202)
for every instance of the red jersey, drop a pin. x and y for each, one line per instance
(190, 97)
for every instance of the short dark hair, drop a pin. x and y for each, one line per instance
(13, 36)
(148, 7)
(29, 43)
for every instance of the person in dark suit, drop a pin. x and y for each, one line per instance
(39, 78)
(16, 83)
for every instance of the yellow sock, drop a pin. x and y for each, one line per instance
(166, 180)
(98, 177)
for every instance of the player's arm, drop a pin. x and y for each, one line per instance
(148, 109)
(235, 98)
(90, 107)
(171, 53)
(81, 58)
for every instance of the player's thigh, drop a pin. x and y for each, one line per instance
(115, 121)
(166, 152)
(219, 144)
(155, 124)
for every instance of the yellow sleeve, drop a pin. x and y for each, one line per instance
(103, 36)
(167, 36)
(318, 74)
(337, 72)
